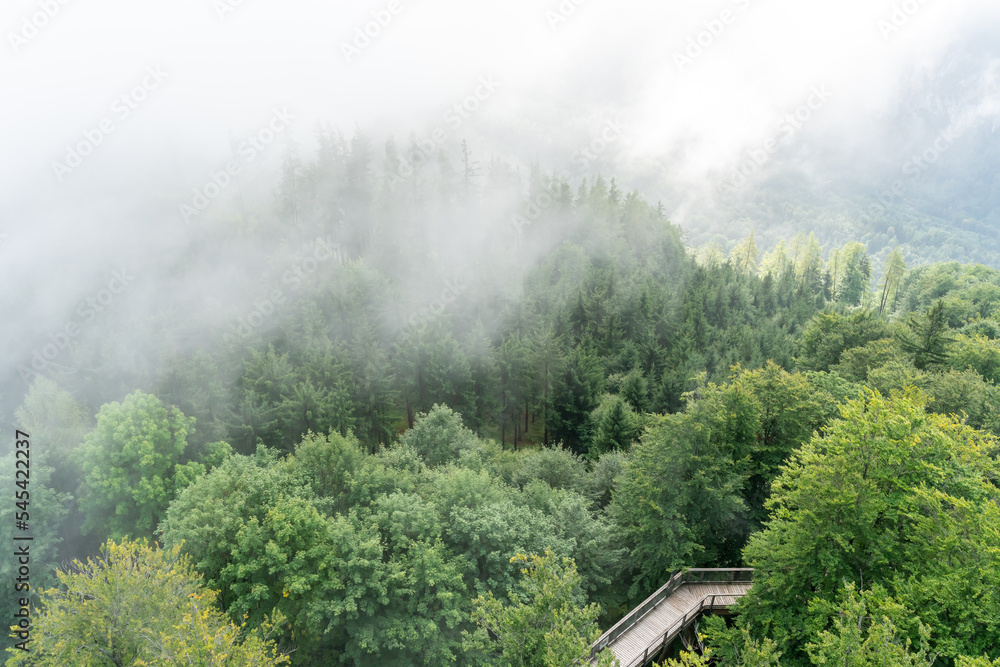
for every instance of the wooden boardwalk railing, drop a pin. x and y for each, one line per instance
(663, 615)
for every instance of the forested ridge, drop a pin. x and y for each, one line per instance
(397, 451)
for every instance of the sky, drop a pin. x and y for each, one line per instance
(696, 80)
(115, 112)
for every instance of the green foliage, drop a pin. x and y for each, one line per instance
(375, 393)
(980, 327)
(832, 390)
(863, 634)
(856, 363)
(635, 389)
(267, 379)
(545, 623)
(328, 465)
(439, 436)
(678, 500)
(784, 411)
(696, 485)
(829, 335)
(376, 583)
(590, 538)
(47, 509)
(854, 274)
(198, 387)
(927, 339)
(556, 466)
(275, 560)
(807, 257)
(880, 497)
(575, 395)
(57, 424)
(377, 557)
(408, 446)
(617, 426)
(983, 661)
(895, 376)
(730, 647)
(208, 515)
(432, 368)
(488, 535)
(603, 475)
(131, 464)
(966, 395)
(970, 291)
(414, 600)
(139, 605)
(278, 401)
(895, 270)
(979, 353)
(744, 255)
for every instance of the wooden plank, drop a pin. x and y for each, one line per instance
(665, 616)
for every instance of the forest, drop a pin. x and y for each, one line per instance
(392, 450)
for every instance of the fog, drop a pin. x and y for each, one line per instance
(117, 113)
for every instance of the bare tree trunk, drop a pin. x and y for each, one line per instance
(885, 296)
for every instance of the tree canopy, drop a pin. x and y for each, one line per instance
(137, 604)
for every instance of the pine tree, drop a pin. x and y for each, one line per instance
(856, 274)
(927, 339)
(617, 429)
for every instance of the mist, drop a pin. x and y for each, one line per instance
(364, 307)
(124, 119)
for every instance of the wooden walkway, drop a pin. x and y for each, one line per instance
(656, 622)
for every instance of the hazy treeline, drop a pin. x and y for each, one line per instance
(369, 439)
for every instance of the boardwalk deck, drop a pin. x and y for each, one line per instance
(664, 615)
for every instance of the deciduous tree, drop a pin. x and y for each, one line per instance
(136, 604)
(545, 623)
(132, 466)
